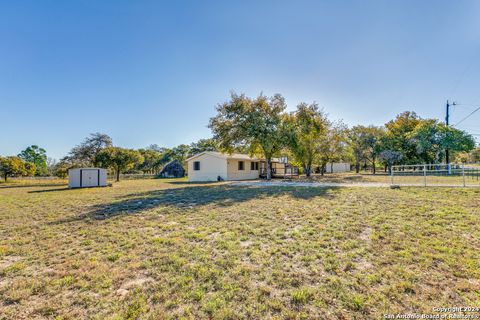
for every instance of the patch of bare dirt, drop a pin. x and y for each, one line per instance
(131, 284)
(7, 261)
(365, 235)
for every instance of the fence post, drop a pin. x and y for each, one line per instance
(463, 174)
(425, 175)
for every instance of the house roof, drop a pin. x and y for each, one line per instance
(237, 156)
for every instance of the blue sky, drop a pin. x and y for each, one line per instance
(152, 71)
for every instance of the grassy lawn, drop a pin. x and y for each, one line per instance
(168, 249)
(347, 177)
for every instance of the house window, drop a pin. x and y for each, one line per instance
(241, 165)
(254, 166)
(196, 165)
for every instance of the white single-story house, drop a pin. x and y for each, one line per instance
(217, 166)
(214, 166)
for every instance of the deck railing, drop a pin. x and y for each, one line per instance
(287, 172)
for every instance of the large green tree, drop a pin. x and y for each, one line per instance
(256, 124)
(308, 128)
(427, 141)
(398, 137)
(356, 137)
(423, 140)
(151, 161)
(474, 155)
(180, 152)
(431, 138)
(333, 147)
(455, 140)
(15, 166)
(30, 169)
(469, 157)
(365, 143)
(373, 144)
(166, 154)
(38, 156)
(84, 154)
(203, 145)
(60, 169)
(118, 159)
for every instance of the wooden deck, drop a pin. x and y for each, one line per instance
(281, 172)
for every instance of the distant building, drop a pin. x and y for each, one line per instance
(337, 167)
(173, 169)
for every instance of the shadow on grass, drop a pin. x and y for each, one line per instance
(192, 183)
(50, 190)
(195, 196)
(353, 178)
(80, 217)
(33, 185)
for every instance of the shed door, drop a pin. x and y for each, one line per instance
(89, 178)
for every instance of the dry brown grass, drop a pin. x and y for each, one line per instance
(167, 249)
(348, 177)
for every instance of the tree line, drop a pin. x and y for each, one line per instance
(97, 150)
(261, 126)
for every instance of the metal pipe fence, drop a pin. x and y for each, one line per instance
(455, 175)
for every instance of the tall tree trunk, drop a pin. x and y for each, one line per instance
(358, 165)
(118, 175)
(331, 167)
(5, 177)
(269, 169)
(373, 165)
(308, 169)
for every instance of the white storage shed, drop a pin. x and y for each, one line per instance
(87, 177)
(337, 167)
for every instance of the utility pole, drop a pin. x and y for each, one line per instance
(447, 153)
(447, 121)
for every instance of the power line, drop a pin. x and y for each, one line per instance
(464, 72)
(467, 106)
(466, 127)
(465, 118)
